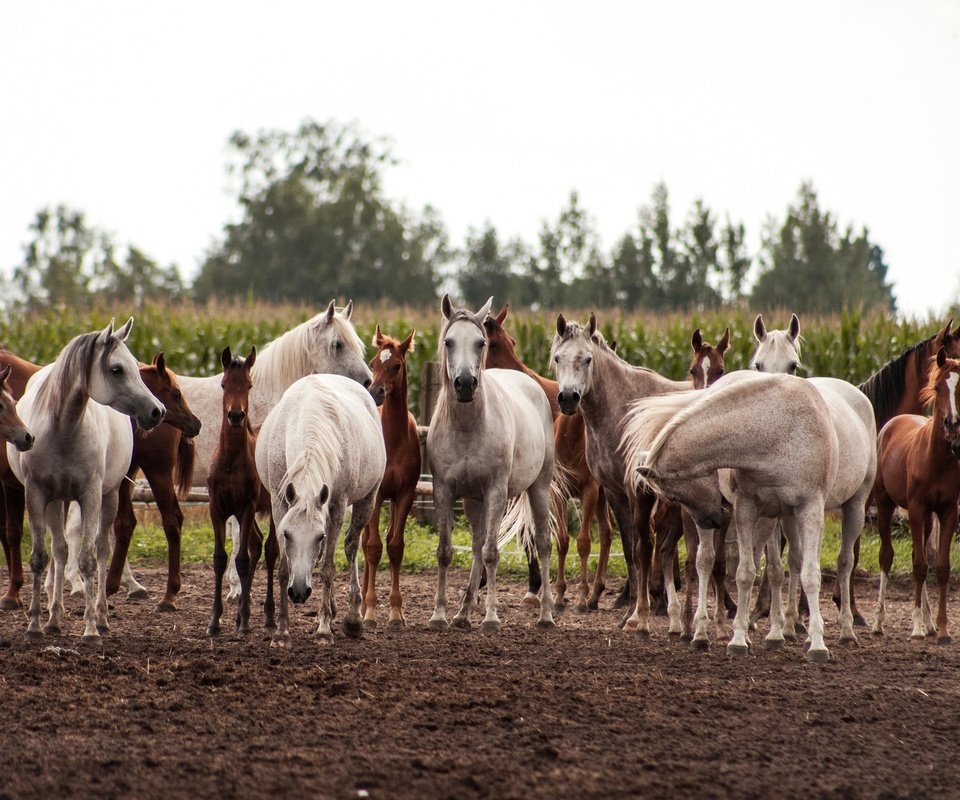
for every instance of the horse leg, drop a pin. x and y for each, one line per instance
(171, 516)
(372, 553)
(622, 512)
(36, 509)
(858, 620)
(91, 503)
(704, 561)
(13, 524)
(443, 502)
(327, 610)
(563, 547)
(643, 557)
(790, 534)
(281, 637)
(494, 507)
(851, 528)
(361, 514)
(219, 565)
(932, 537)
(244, 564)
(809, 520)
(948, 524)
(588, 508)
(692, 540)
(271, 550)
(668, 554)
(108, 512)
(74, 533)
(55, 582)
(474, 512)
(233, 577)
(605, 531)
(885, 508)
(745, 514)
(539, 497)
(919, 525)
(123, 526)
(399, 511)
(765, 528)
(761, 608)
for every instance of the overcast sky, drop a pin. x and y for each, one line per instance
(497, 110)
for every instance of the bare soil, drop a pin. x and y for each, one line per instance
(160, 710)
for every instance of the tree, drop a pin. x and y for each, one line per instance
(735, 260)
(633, 274)
(698, 266)
(806, 265)
(316, 224)
(486, 269)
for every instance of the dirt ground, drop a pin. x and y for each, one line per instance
(160, 710)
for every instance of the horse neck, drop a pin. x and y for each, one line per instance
(938, 454)
(464, 417)
(395, 411)
(234, 442)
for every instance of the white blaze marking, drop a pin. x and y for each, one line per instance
(952, 393)
(706, 369)
(385, 355)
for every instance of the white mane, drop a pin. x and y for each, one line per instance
(647, 426)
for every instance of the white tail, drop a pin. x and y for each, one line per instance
(518, 518)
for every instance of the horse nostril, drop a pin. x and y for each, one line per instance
(366, 383)
(156, 413)
(29, 438)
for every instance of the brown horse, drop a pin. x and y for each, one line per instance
(166, 458)
(570, 443)
(399, 486)
(236, 491)
(918, 469)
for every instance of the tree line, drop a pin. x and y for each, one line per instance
(315, 222)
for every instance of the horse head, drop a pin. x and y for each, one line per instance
(335, 347)
(501, 346)
(236, 384)
(777, 351)
(12, 428)
(572, 358)
(114, 378)
(389, 364)
(163, 385)
(707, 364)
(463, 345)
(302, 533)
(944, 390)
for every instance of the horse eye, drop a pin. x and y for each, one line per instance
(116, 369)
(793, 368)
(588, 360)
(448, 343)
(758, 367)
(339, 345)
(693, 371)
(396, 367)
(177, 395)
(556, 359)
(719, 373)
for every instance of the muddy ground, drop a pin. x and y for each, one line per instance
(160, 710)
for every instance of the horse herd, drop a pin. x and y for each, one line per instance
(293, 432)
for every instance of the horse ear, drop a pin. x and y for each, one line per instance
(290, 494)
(503, 313)
(105, 334)
(226, 359)
(485, 309)
(696, 341)
(942, 336)
(124, 332)
(759, 329)
(794, 327)
(331, 310)
(4, 373)
(941, 357)
(377, 337)
(251, 358)
(323, 496)
(406, 346)
(160, 363)
(724, 342)
(561, 324)
(490, 324)
(347, 310)
(592, 324)
(445, 308)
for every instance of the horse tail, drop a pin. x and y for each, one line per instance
(518, 519)
(183, 469)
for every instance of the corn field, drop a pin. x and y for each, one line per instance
(851, 345)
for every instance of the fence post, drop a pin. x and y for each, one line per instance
(429, 390)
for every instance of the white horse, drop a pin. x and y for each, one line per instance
(777, 447)
(326, 343)
(82, 453)
(320, 449)
(490, 440)
(777, 351)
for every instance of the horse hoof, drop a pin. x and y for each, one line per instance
(34, 636)
(530, 599)
(547, 624)
(642, 633)
(593, 603)
(213, 630)
(581, 608)
(700, 645)
(103, 627)
(737, 649)
(9, 604)
(799, 628)
(91, 638)
(165, 606)
(490, 626)
(849, 639)
(281, 642)
(370, 623)
(397, 624)
(437, 624)
(818, 656)
(859, 621)
(773, 644)
(270, 628)
(917, 637)
(52, 630)
(944, 640)
(623, 600)
(138, 594)
(461, 622)
(323, 639)
(789, 635)
(673, 634)
(878, 630)
(685, 638)
(352, 629)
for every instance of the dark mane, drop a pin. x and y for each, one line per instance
(885, 387)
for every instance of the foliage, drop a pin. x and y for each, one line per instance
(316, 224)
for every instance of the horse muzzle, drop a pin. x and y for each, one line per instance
(150, 421)
(569, 401)
(378, 394)
(465, 388)
(299, 594)
(22, 439)
(236, 418)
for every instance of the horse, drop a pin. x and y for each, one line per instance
(594, 380)
(82, 453)
(707, 365)
(319, 450)
(778, 447)
(569, 439)
(490, 441)
(399, 485)
(12, 429)
(235, 490)
(777, 351)
(919, 470)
